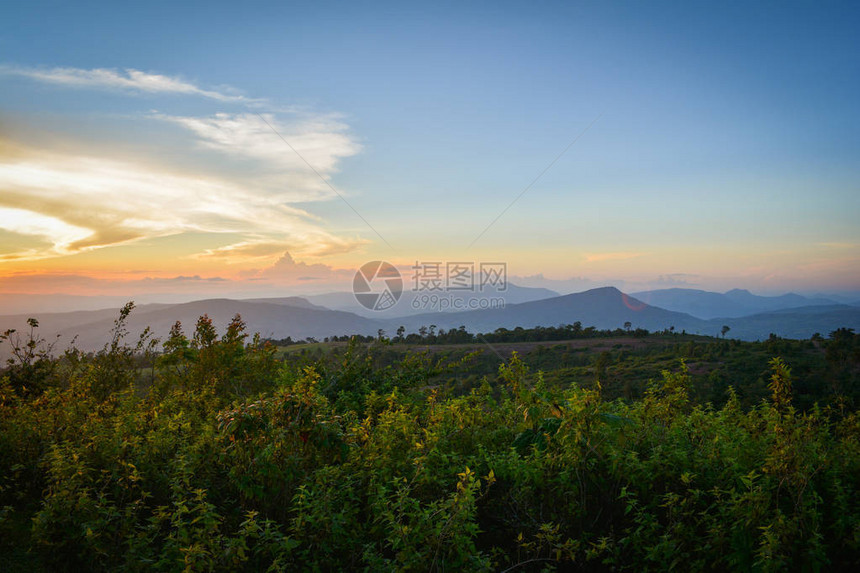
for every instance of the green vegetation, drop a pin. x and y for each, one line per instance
(217, 455)
(825, 371)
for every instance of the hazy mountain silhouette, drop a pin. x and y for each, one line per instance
(605, 307)
(42, 304)
(734, 303)
(410, 303)
(275, 320)
(799, 323)
(301, 302)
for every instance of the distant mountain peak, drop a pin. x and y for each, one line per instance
(606, 289)
(731, 304)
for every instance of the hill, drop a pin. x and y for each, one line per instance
(734, 303)
(297, 301)
(411, 300)
(296, 317)
(605, 307)
(276, 320)
(798, 323)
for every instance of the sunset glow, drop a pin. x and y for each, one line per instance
(266, 163)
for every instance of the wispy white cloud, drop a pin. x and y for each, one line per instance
(322, 140)
(258, 249)
(81, 203)
(315, 244)
(53, 230)
(128, 79)
(243, 184)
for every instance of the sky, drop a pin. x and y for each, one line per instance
(273, 147)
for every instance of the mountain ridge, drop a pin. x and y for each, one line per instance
(733, 303)
(296, 317)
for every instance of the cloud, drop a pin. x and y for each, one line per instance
(322, 141)
(315, 245)
(252, 145)
(82, 284)
(271, 280)
(244, 251)
(288, 270)
(184, 279)
(55, 231)
(71, 203)
(46, 283)
(128, 79)
(675, 280)
(57, 203)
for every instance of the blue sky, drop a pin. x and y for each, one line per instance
(724, 151)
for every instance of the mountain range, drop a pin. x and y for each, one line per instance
(731, 304)
(604, 308)
(410, 300)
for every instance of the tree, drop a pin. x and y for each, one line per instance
(30, 365)
(724, 330)
(627, 325)
(600, 364)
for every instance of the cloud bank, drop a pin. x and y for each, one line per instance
(58, 202)
(128, 79)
